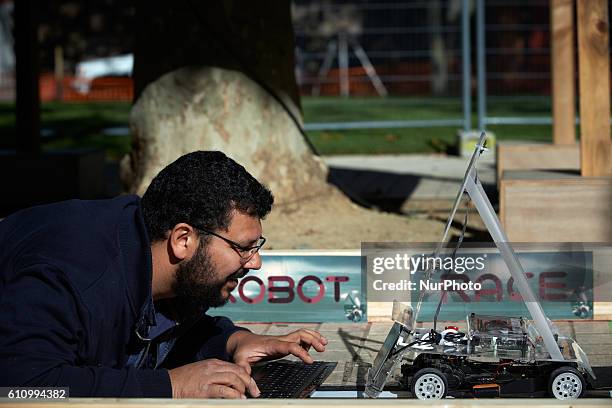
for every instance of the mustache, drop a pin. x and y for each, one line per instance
(239, 274)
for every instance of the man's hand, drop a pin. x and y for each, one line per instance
(212, 379)
(248, 348)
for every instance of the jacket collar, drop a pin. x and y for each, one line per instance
(136, 258)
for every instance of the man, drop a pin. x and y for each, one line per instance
(109, 297)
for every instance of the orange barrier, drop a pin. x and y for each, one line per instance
(73, 89)
(414, 78)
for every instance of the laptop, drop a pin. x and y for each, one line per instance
(290, 379)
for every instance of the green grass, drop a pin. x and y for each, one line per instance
(74, 125)
(82, 124)
(411, 140)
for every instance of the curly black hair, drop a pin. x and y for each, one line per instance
(201, 189)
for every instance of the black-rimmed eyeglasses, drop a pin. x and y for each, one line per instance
(246, 253)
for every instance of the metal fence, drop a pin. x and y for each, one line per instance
(412, 47)
(428, 49)
(417, 48)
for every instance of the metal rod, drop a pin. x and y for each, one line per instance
(325, 66)
(343, 63)
(481, 67)
(487, 214)
(398, 124)
(369, 69)
(467, 66)
(518, 120)
(386, 124)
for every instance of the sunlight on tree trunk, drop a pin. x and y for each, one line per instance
(212, 76)
(216, 109)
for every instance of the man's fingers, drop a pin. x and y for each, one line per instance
(222, 391)
(243, 370)
(231, 380)
(251, 385)
(239, 370)
(315, 341)
(317, 335)
(299, 352)
(212, 379)
(244, 365)
(307, 338)
(254, 389)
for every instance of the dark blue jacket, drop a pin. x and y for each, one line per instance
(75, 286)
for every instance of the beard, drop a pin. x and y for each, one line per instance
(197, 286)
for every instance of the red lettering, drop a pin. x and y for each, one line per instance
(300, 289)
(515, 295)
(552, 285)
(337, 280)
(498, 291)
(262, 290)
(280, 289)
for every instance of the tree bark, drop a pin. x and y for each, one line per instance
(206, 108)
(248, 36)
(219, 75)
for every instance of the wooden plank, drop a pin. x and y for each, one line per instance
(556, 177)
(531, 156)
(563, 82)
(594, 69)
(602, 310)
(379, 311)
(310, 402)
(540, 206)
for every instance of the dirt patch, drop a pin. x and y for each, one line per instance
(330, 222)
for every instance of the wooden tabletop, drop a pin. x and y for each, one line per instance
(354, 347)
(309, 403)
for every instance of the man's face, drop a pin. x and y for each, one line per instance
(210, 275)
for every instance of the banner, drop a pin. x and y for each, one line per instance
(300, 286)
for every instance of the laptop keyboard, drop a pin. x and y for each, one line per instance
(291, 379)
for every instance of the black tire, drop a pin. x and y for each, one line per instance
(429, 384)
(566, 383)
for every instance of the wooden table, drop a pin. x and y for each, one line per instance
(354, 346)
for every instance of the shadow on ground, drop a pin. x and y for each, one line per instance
(395, 193)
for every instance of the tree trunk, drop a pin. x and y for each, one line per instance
(248, 36)
(206, 108)
(222, 78)
(219, 75)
